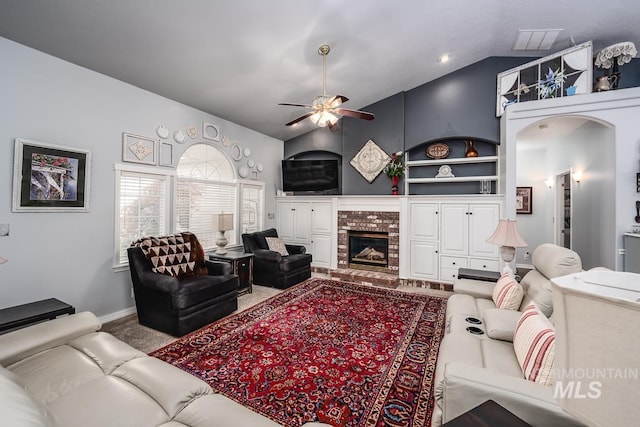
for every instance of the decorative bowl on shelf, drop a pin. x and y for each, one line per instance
(439, 150)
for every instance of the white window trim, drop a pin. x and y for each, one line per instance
(119, 168)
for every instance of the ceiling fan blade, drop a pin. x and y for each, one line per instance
(301, 118)
(356, 114)
(337, 100)
(296, 105)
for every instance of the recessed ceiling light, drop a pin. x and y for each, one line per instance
(443, 58)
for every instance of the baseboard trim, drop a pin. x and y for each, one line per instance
(117, 315)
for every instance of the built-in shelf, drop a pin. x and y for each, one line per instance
(453, 179)
(482, 159)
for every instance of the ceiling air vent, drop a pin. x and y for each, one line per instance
(535, 39)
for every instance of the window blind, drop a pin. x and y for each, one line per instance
(142, 202)
(252, 207)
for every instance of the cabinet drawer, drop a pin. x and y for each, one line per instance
(484, 264)
(448, 274)
(453, 262)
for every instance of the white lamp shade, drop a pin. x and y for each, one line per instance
(506, 234)
(223, 222)
(597, 355)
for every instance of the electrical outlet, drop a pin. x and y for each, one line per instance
(527, 255)
(4, 229)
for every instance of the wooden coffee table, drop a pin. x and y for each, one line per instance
(488, 414)
(33, 312)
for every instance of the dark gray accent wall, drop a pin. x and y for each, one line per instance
(460, 104)
(386, 130)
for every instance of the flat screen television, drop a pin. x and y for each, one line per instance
(310, 175)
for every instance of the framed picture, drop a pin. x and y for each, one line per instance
(166, 154)
(50, 178)
(523, 200)
(139, 149)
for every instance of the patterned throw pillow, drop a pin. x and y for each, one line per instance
(507, 294)
(534, 342)
(178, 255)
(277, 244)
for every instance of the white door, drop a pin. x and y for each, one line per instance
(321, 250)
(483, 220)
(321, 217)
(286, 221)
(454, 218)
(424, 260)
(302, 221)
(424, 223)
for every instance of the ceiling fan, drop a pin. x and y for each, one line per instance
(325, 110)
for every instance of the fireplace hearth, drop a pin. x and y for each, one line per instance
(369, 250)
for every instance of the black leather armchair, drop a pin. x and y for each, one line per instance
(272, 269)
(178, 307)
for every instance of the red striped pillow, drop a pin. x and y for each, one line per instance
(534, 342)
(507, 294)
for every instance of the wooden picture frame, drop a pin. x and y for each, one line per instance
(50, 178)
(524, 201)
(139, 149)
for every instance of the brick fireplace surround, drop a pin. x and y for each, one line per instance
(380, 221)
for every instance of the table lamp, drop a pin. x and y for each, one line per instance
(507, 236)
(222, 222)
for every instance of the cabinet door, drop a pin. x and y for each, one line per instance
(321, 217)
(455, 228)
(483, 220)
(424, 224)
(302, 222)
(321, 250)
(424, 260)
(286, 220)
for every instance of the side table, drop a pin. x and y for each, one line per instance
(487, 414)
(33, 312)
(242, 264)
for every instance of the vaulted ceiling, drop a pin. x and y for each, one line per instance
(237, 59)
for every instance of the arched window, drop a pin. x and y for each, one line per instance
(202, 161)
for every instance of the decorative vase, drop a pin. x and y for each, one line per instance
(469, 149)
(394, 185)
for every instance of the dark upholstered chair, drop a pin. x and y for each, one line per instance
(191, 296)
(272, 269)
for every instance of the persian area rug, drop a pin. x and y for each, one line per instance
(335, 352)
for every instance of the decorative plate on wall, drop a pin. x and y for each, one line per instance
(162, 132)
(192, 131)
(370, 161)
(179, 136)
(236, 152)
(439, 150)
(210, 131)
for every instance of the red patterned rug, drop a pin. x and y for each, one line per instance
(334, 352)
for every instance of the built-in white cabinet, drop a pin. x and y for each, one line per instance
(308, 222)
(447, 235)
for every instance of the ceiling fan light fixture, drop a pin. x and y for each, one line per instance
(322, 118)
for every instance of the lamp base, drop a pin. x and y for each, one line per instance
(507, 253)
(222, 243)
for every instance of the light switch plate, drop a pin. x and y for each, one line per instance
(4, 229)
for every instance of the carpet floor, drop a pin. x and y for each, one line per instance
(335, 352)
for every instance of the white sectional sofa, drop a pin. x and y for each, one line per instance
(473, 368)
(64, 373)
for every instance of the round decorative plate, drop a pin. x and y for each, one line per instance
(439, 150)
(162, 132)
(236, 152)
(260, 167)
(247, 151)
(243, 171)
(192, 131)
(179, 136)
(251, 163)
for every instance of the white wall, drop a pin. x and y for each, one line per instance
(617, 110)
(69, 255)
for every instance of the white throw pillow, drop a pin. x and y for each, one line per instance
(534, 342)
(277, 244)
(507, 294)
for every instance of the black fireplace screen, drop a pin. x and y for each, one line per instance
(369, 250)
